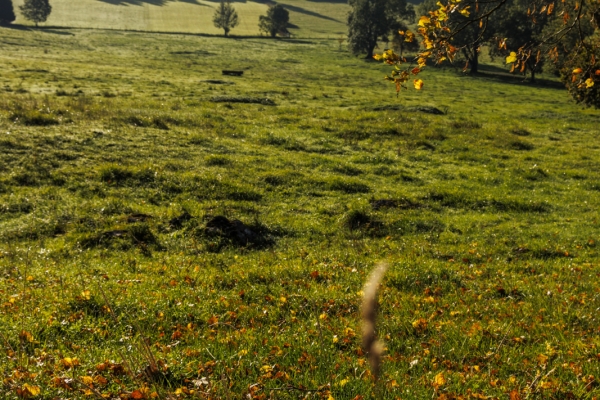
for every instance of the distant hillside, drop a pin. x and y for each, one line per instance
(310, 18)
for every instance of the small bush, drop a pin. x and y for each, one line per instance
(275, 180)
(273, 140)
(520, 145)
(520, 132)
(356, 219)
(34, 118)
(115, 207)
(138, 235)
(349, 186)
(424, 145)
(107, 94)
(353, 134)
(464, 201)
(160, 123)
(157, 122)
(465, 124)
(199, 140)
(242, 194)
(347, 170)
(18, 206)
(535, 174)
(115, 174)
(436, 135)
(122, 176)
(217, 161)
(426, 110)
(220, 232)
(243, 99)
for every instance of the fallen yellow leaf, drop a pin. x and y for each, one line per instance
(439, 380)
(31, 390)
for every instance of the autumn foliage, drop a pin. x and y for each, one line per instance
(439, 29)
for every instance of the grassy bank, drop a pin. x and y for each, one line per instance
(125, 158)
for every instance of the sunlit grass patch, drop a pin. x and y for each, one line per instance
(155, 243)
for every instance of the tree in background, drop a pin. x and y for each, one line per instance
(582, 89)
(276, 20)
(36, 10)
(442, 28)
(371, 20)
(517, 30)
(225, 17)
(367, 23)
(399, 43)
(7, 12)
(565, 43)
(469, 38)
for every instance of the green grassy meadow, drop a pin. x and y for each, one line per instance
(118, 150)
(308, 18)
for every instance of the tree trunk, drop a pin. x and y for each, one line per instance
(474, 61)
(370, 50)
(533, 69)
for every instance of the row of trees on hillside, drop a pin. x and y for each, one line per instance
(275, 22)
(33, 10)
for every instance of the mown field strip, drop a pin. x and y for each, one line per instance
(309, 18)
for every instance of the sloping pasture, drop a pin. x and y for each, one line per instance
(170, 232)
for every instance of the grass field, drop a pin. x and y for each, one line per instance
(121, 152)
(309, 18)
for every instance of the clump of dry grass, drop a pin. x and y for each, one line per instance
(372, 347)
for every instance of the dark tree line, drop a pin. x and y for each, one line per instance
(33, 10)
(7, 12)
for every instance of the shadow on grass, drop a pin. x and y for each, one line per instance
(499, 74)
(61, 30)
(329, 1)
(56, 30)
(141, 2)
(17, 27)
(289, 7)
(307, 12)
